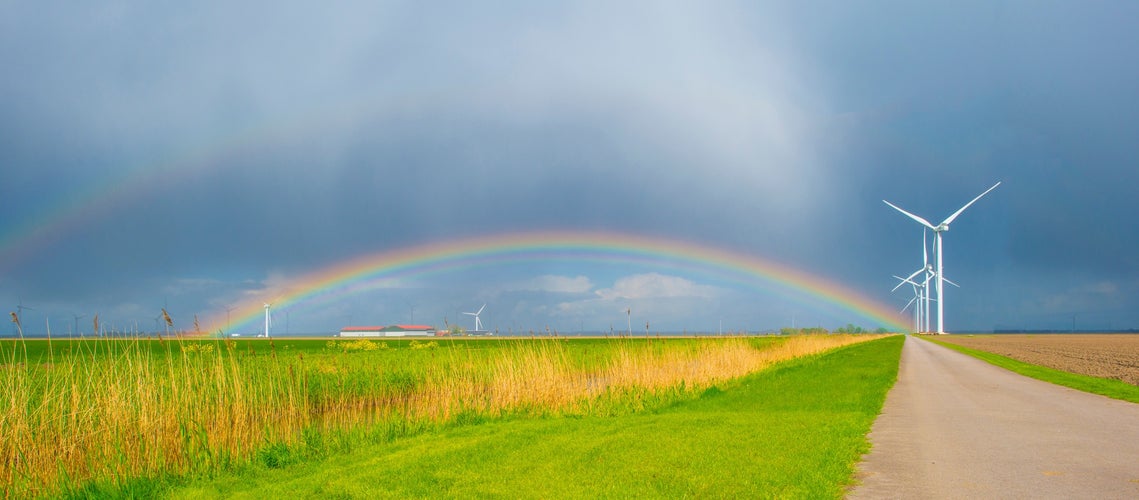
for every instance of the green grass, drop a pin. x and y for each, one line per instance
(1105, 387)
(92, 417)
(794, 430)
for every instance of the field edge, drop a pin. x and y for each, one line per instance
(1111, 388)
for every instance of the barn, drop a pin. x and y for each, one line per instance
(388, 331)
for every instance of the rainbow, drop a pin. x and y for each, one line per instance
(119, 190)
(357, 273)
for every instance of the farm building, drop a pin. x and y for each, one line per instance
(388, 331)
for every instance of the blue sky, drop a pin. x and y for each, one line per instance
(231, 149)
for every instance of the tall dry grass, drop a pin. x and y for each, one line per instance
(118, 410)
(542, 378)
(127, 413)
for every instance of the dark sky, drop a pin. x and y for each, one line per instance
(200, 155)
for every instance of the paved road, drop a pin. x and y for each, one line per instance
(957, 427)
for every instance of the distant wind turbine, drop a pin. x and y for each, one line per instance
(77, 318)
(938, 229)
(917, 309)
(268, 319)
(478, 322)
(228, 310)
(21, 308)
(921, 290)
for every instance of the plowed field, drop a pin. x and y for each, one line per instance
(1105, 356)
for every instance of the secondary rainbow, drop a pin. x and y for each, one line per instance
(617, 247)
(122, 188)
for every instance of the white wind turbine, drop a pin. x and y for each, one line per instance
(921, 290)
(478, 322)
(268, 319)
(917, 309)
(938, 229)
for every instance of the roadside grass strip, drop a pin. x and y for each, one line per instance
(1105, 387)
(795, 430)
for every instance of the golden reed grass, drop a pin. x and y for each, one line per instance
(200, 408)
(542, 378)
(130, 413)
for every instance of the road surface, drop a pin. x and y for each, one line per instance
(956, 427)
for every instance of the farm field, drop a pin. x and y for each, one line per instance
(1111, 356)
(110, 416)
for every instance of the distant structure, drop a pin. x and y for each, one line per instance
(388, 331)
(268, 318)
(478, 322)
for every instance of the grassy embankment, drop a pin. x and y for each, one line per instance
(132, 416)
(793, 431)
(1106, 387)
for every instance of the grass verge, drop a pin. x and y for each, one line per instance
(794, 430)
(1105, 387)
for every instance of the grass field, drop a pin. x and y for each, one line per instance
(83, 416)
(795, 430)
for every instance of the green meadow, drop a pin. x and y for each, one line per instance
(778, 416)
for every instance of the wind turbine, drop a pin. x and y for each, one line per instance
(478, 322)
(937, 230)
(917, 309)
(20, 307)
(228, 310)
(77, 318)
(268, 319)
(921, 290)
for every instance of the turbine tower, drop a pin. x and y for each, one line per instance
(268, 319)
(937, 230)
(478, 322)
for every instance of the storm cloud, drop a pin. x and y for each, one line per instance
(190, 156)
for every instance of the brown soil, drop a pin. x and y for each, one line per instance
(1114, 356)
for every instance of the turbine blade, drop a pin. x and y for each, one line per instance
(902, 281)
(962, 209)
(481, 308)
(952, 283)
(924, 250)
(908, 304)
(912, 216)
(910, 277)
